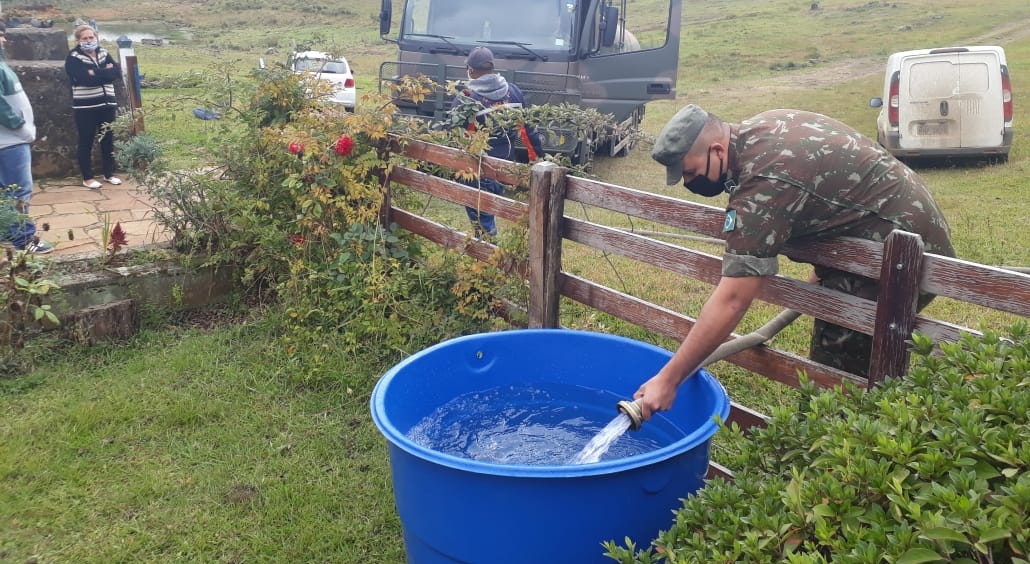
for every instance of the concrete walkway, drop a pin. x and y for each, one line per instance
(71, 217)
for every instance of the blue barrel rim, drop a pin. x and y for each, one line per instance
(399, 439)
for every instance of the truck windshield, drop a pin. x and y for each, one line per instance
(539, 24)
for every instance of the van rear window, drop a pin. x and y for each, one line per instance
(944, 79)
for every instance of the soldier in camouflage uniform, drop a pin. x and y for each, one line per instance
(791, 176)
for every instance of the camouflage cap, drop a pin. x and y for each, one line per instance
(676, 138)
(480, 59)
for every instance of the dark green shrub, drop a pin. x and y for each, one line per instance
(928, 468)
(137, 152)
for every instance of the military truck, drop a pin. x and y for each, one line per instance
(609, 55)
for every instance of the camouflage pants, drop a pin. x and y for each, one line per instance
(841, 347)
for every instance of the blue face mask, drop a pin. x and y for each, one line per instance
(89, 45)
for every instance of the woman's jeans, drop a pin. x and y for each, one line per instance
(16, 183)
(91, 123)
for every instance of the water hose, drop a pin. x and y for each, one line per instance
(756, 337)
(727, 349)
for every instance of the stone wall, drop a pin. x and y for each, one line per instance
(37, 56)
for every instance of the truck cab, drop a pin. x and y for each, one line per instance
(600, 54)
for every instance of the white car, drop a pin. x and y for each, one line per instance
(334, 70)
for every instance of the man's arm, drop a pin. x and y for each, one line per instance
(719, 317)
(8, 87)
(8, 118)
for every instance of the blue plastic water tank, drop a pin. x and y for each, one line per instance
(457, 510)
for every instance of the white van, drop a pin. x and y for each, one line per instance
(333, 70)
(955, 101)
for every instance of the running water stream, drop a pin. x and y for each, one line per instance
(604, 439)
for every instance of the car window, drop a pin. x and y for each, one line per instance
(321, 65)
(336, 67)
(308, 65)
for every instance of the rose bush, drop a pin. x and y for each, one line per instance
(344, 145)
(294, 202)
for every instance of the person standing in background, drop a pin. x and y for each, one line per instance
(17, 133)
(92, 71)
(487, 91)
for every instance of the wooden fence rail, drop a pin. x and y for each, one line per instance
(899, 263)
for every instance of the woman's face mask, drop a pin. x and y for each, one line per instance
(89, 45)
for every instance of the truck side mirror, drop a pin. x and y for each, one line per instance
(876, 103)
(609, 25)
(385, 15)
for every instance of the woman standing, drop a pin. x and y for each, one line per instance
(93, 71)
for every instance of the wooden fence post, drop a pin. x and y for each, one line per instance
(546, 210)
(896, 305)
(135, 96)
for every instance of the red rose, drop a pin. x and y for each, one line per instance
(296, 148)
(344, 145)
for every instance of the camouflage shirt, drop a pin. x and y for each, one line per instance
(803, 176)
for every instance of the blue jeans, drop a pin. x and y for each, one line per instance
(483, 222)
(16, 182)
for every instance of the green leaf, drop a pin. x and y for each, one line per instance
(985, 471)
(823, 510)
(944, 534)
(919, 555)
(992, 535)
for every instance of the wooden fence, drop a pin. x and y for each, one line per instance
(900, 264)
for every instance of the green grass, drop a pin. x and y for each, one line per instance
(191, 447)
(199, 446)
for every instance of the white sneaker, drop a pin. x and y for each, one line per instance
(92, 184)
(113, 180)
(39, 247)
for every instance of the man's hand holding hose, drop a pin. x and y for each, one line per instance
(719, 317)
